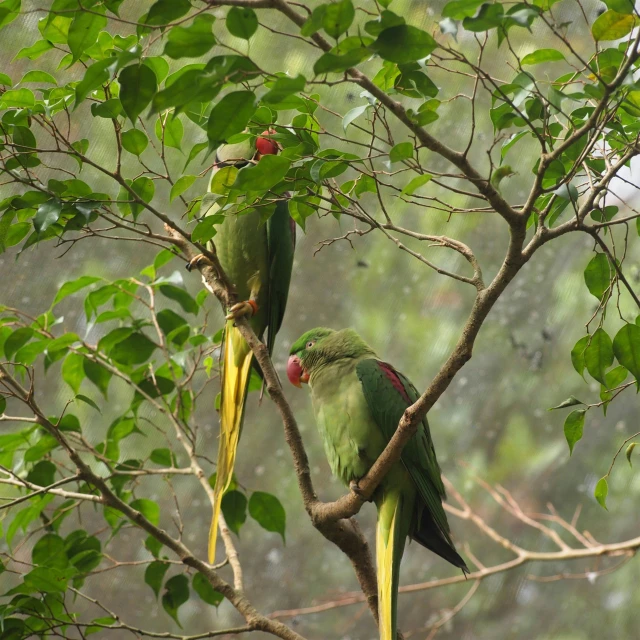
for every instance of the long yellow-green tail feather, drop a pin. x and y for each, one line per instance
(389, 548)
(236, 369)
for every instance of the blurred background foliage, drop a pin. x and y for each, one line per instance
(492, 422)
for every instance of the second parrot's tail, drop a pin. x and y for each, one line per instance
(391, 535)
(236, 370)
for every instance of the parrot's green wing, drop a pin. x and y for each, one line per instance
(281, 241)
(388, 393)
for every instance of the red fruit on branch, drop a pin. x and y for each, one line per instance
(265, 146)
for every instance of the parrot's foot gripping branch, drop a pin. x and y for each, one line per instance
(355, 487)
(245, 308)
(198, 261)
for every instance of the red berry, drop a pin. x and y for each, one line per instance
(265, 146)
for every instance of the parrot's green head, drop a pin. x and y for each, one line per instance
(321, 346)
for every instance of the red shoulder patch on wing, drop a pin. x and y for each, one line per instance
(394, 378)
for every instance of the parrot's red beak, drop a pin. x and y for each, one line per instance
(296, 374)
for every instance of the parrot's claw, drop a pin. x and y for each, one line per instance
(355, 487)
(244, 308)
(198, 261)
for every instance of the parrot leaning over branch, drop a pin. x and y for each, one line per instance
(358, 401)
(257, 257)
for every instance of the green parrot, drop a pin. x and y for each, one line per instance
(258, 258)
(358, 401)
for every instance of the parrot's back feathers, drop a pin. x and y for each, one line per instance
(281, 241)
(388, 393)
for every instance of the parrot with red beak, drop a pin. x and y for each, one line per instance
(257, 257)
(358, 401)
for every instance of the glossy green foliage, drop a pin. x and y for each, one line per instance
(110, 116)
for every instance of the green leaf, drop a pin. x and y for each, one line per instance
(134, 141)
(598, 356)
(242, 22)
(9, 11)
(269, 171)
(542, 55)
(193, 41)
(134, 349)
(489, 17)
(22, 98)
(35, 50)
(48, 213)
(230, 116)
(333, 63)
(95, 76)
(73, 371)
(206, 592)
(154, 575)
(162, 457)
(176, 594)
(154, 546)
(206, 228)
(629, 451)
(43, 473)
(180, 296)
(267, 510)
(149, 509)
(601, 491)
(385, 20)
(43, 446)
(88, 401)
(612, 25)
(49, 579)
(401, 151)
(195, 150)
(6, 80)
(158, 65)
(403, 44)
(73, 286)
(138, 85)
(98, 375)
(17, 340)
(234, 508)
(165, 11)
(337, 17)
(283, 88)
(621, 6)
(614, 379)
(415, 183)
(69, 422)
(49, 551)
(172, 132)
(573, 426)
(38, 76)
(626, 347)
(354, 113)
(577, 355)
(460, 9)
(84, 30)
(145, 189)
(598, 274)
(181, 185)
(571, 401)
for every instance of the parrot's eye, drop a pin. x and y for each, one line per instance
(310, 344)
